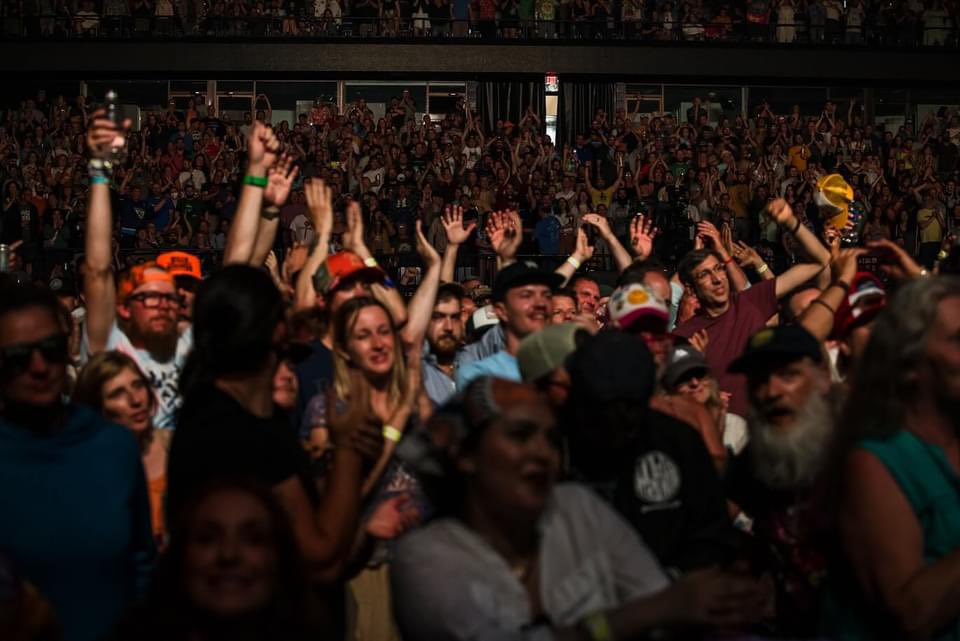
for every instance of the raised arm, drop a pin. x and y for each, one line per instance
(818, 318)
(710, 235)
(262, 150)
(586, 177)
(580, 255)
(319, 202)
(642, 235)
(616, 184)
(421, 305)
(99, 286)
(457, 234)
(505, 233)
(353, 241)
(280, 178)
(781, 212)
(620, 255)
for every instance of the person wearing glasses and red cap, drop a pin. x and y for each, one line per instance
(137, 312)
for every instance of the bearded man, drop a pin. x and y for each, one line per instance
(445, 339)
(775, 481)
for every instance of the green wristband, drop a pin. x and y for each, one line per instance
(256, 181)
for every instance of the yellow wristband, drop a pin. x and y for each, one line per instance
(762, 269)
(391, 433)
(370, 262)
(598, 627)
(574, 262)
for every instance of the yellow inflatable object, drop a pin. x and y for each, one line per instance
(834, 196)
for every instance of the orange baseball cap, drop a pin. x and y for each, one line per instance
(180, 264)
(340, 266)
(132, 279)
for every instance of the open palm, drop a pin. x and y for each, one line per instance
(642, 235)
(279, 180)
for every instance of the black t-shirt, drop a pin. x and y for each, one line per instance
(217, 438)
(665, 484)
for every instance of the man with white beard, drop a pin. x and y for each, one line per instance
(775, 480)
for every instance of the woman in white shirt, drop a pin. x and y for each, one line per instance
(516, 556)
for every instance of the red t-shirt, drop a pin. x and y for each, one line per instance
(728, 335)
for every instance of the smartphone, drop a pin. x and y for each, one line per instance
(111, 104)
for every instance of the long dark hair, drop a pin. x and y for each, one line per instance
(235, 315)
(168, 615)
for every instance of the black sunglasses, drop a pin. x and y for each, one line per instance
(17, 357)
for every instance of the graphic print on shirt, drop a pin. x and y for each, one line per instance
(656, 480)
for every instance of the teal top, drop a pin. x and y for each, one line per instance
(932, 488)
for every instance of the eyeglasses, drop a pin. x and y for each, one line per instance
(720, 268)
(53, 349)
(151, 300)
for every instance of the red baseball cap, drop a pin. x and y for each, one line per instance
(340, 266)
(181, 264)
(866, 299)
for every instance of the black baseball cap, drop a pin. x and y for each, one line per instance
(790, 342)
(611, 366)
(520, 274)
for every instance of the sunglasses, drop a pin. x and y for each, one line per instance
(53, 349)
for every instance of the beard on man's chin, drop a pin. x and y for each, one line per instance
(790, 458)
(444, 346)
(160, 343)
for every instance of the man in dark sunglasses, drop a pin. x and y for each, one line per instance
(33, 360)
(76, 514)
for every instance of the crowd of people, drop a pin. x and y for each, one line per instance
(858, 22)
(345, 426)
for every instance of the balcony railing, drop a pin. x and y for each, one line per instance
(873, 33)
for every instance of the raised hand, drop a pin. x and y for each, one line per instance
(428, 252)
(844, 266)
(726, 237)
(505, 233)
(746, 255)
(780, 211)
(279, 179)
(320, 204)
(832, 236)
(353, 238)
(894, 261)
(452, 221)
(583, 250)
(711, 236)
(262, 149)
(104, 136)
(294, 261)
(600, 222)
(642, 235)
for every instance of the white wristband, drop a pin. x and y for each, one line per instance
(574, 262)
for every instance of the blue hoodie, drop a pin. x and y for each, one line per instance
(75, 518)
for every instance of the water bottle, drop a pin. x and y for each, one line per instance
(4, 257)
